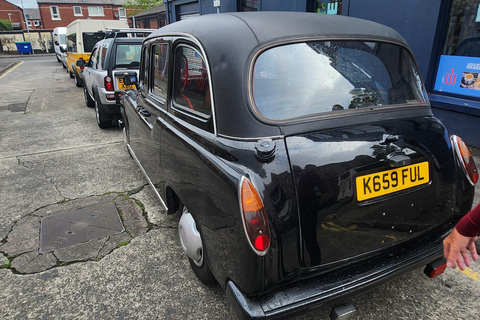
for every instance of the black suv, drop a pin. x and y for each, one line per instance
(111, 58)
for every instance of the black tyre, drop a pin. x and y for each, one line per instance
(193, 244)
(100, 115)
(88, 100)
(70, 73)
(78, 80)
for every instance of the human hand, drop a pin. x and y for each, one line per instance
(456, 248)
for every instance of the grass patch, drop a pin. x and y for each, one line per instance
(121, 244)
(6, 266)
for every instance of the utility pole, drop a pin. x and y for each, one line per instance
(28, 30)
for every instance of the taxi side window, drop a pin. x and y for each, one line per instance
(191, 90)
(160, 70)
(143, 73)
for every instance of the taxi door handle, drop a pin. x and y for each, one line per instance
(144, 112)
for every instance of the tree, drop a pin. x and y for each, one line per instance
(5, 25)
(137, 6)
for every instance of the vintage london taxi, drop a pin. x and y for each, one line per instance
(300, 152)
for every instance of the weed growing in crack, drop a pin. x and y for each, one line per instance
(121, 244)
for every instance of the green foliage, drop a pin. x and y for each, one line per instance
(141, 5)
(5, 25)
(121, 244)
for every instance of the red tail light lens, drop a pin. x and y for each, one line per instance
(254, 217)
(108, 81)
(469, 167)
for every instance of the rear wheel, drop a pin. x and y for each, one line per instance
(78, 80)
(70, 73)
(88, 100)
(100, 115)
(192, 243)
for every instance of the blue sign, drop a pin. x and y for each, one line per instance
(460, 75)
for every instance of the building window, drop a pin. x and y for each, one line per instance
(29, 23)
(122, 13)
(95, 11)
(459, 67)
(328, 7)
(55, 13)
(248, 5)
(36, 23)
(77, 11)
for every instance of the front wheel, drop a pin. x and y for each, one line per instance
(192, 243)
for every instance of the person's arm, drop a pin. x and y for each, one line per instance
(462, 240)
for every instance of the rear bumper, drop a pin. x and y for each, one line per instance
(335, 287)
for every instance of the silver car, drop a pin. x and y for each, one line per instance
(102, 74)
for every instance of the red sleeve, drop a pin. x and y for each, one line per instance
(469, 225)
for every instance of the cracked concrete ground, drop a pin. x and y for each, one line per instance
(53, 158)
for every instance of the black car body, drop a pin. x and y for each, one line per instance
(301, 151)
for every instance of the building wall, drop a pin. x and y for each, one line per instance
(415, 20)
(67, 15)
(16, 13)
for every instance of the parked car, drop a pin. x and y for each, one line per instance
(301, 153)
(82, 35)
(59, 40)
(103, 74)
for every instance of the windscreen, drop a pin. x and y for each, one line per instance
(128, 56)
(62, 38)
(304, 79)
(90, 39)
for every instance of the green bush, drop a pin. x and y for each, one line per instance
(5, 25)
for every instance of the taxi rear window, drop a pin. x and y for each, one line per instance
(310, 78)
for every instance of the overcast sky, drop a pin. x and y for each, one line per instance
(26, 3)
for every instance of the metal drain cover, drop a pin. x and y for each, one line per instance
(77, 226)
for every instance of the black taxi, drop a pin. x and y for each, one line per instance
(301, 153)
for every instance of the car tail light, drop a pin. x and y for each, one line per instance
(254, 217)
(108, 81)
(468, 165)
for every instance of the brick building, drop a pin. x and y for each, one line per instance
(34, 21)
(9, 11)
(59, 13)
(153, 18)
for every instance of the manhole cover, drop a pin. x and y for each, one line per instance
(77, 226)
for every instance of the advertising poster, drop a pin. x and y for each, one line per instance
(459, 75)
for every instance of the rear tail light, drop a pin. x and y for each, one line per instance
(468, 165)
(108, 81)
(254, 216)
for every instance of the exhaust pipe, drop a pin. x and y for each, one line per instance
(343, 312)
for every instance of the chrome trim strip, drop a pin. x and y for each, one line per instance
(146, 177)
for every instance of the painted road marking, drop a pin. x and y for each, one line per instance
(3, 75)
(470, 273)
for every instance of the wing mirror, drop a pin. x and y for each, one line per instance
(81, 63)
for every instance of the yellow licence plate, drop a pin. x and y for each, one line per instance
(122, 86)
(390, 181)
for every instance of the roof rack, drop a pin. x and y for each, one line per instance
(124, 32)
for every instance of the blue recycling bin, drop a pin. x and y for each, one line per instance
(24, 47)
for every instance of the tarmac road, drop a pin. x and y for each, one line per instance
(53, 157)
